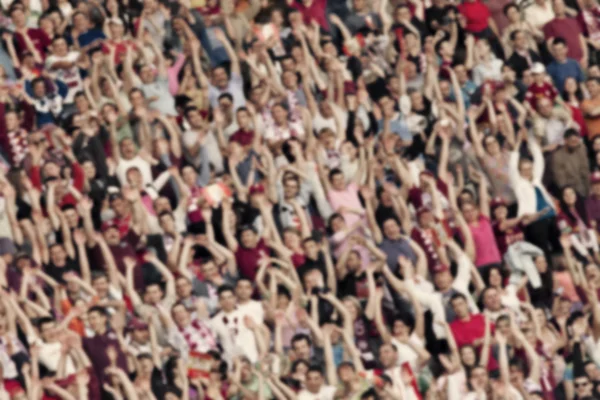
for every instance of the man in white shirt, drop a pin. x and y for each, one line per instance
(245, 305)
(316, 389)
(63, 66)
(230, 325)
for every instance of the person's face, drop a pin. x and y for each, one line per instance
(500, 213)
(183, 288)
(442, 280)
(351, 307)
(290, 79)
(468, 356)
(560, 51)
(146, 366)
(301, 349)
(593, 87)
(591, 272)
(311, 249)
(479, 378)
(279, 115)
(491, 300)
(147, 74)
(592, 371)
(400, 329)
(541, 264)
(227, 301)
(153, 294)
(100, 285)
(58, 255)
(220, 78)
(491, 145)
(283, 301)
(48, 332)
(12, 121)
(314, 381)
(243, 119)
(18, 18)
(243, 290)
(391, 229)
(127, 148)
(572, 142)
(181, 316)
(141, 335)
(97, 321)
(495, 278)
(354, 262)
(39, 89)
(503, 327)
(291, 187)
(387, 356)
(513, 15)
(520, 41)
(249, 239)
(460, 307)
(445, 89)
(470, 212)
(167, 223)
(337, 182)
(338, 224)
(569, 196)
(59, 47)
(583, 386)
(119, 206)
(526, 169)
(134, 178)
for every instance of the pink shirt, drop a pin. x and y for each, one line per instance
(486, 249)
(346, 198)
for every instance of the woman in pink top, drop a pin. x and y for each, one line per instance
(478, 220)
(344, 198)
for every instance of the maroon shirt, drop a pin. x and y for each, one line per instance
(569, 29)
(247, 259)
(507, 237)
(127, 248)
(242, 137)
(38, 37)
(316, 11)
(95, 347)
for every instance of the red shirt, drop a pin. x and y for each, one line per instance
(569, 29)
(247, 259)
(476, 13)
(507, 237)
(536, 92)
(242, 137)
(316, 11)
(38, 37)
(466, 332)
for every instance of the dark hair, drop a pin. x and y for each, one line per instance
(508, 7)
(406, 318)
(44, 320)
(99, 274)
(99, 309)
(224, 288)
(559, 40)
(333, 172)
(579, 206)
(514, 34)
(299, 337)
(456, 296)
(570, 132)
(225, 96)
(315, 368)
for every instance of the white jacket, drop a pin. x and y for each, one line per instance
(525, 189)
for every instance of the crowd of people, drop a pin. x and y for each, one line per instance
(299, 199)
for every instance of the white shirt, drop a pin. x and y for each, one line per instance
(407, 354)
(325, 393)
(138, 162)
(539, 15)
(253, 309)
(69, 76)
(49, 355)
(235, 338)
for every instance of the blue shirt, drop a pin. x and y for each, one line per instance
(561, 71)
(542, 203)
(90, 37)
(397, 126)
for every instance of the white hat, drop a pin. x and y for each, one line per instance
(538, 68)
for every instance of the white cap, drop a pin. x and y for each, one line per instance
(538, 68)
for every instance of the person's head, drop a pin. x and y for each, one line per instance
(145, 365)
(227, 298)
(98, 318)
(591, 272)
(38, 85)
(468, 356)
(100, 283)
(519, 40)
(512, 13)
(243, 290)
(388, 355)
(495, 278)
(559, 8)
(469, 211)
(183, 287)
(572, 139)
(491, 145)
(244, 120)
(220, 77)
(284, 297)
(248, 237)
(478, 378)
(459, 305)
(310, 248)
(593, 86)
(166, 222)
(17, 15)
(181, 315)
(403, 325)
(302, 345)
(560, 47)
(153, 293)
(147, 73)
(503, 325)
(47, 329)
(541, 264)
(314, 379)
(291, 186)
(442, 277)
(60, 47)
(491, 299)
(391, 229)
(346, 372)
(336, 222)
(336, 178)
(526, 168)
(583, 386)
(569, 196)
(58, 255)
(140, 332)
